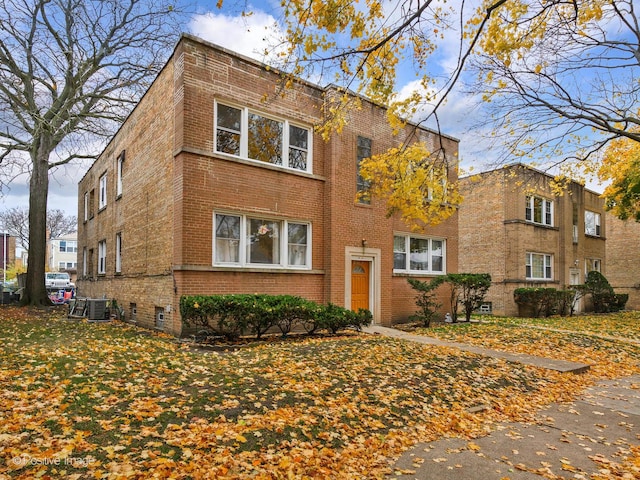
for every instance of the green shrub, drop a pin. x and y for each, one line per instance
(234, 315)
(425, 299)
(541, 300)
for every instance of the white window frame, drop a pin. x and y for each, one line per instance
(102, 202)
(102, 257)
(547, 207)
(119, 164)
(119, 252)
(84, 261)
(592, 226)
(86, 206)
(244, 137)
(283, 242)
(407, 252)
(547, 266)
(595, 263)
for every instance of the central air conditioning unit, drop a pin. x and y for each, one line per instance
(97, 309)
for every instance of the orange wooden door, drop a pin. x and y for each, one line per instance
(359, 285)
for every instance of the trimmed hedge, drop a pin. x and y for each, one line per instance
(545, 301)
(232, 316)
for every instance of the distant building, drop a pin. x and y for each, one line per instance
(7, 250)
(623, 258)
(63, 254)
(514, 227)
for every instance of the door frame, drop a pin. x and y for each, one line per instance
(573, 273)
(364, 254)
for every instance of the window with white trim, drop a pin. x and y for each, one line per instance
(539, 266)
(86, 206)
(118, 252)
(419, 254)
(68, 246)
(84, 262)
(119, 165)
(247, 134)
(363, 150)
(102, 201)
(102, 257)
(592, 264)
(539, 210)
(243, 240)
(591, 223)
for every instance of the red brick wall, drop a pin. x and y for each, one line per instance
(174, 182)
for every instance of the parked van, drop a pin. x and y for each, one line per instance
(58, 280)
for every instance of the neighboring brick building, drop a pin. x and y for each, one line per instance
(216, 183)
(623, 258)
(514, 227)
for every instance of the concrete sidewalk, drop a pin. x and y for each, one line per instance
(552, 364)
(575, 440)
(593, 435)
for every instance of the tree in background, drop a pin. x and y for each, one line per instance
(621, 167)
(16, 223)
(560, 77)
(70, 71)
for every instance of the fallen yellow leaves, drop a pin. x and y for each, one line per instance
(113, 403)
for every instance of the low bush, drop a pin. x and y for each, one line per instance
(544, 301)
(232, 316)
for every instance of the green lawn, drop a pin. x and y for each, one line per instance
(84, 400)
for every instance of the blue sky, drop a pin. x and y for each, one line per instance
(246, 35)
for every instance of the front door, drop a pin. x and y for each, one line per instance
(360, 284)
(574, 279)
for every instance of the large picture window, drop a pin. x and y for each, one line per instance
(591, 223)
(539, 266)
(417, 254)
(251, 135)
(539, 210)
(242, 240)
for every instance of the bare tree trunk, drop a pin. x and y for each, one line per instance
(35, 291)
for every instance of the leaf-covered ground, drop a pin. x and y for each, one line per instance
(609, 343)
(80, 400)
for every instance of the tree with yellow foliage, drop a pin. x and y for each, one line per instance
(621, 167)
(560, 77)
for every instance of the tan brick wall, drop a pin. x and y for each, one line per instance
(494, 236)
(623, 258)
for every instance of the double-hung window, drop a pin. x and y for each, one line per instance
(539, 266)
(417, 254)
(539, 210)
(102, 257)
(119, 165)
(102, 201)
(592, 264)
(243, 240)
(247, 134)
(119, 252)
(362, 185)
(591, 223)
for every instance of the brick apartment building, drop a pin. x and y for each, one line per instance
(216, 183)
(514, 227)
(623, 258)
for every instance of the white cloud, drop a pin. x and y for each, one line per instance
(251, 35)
